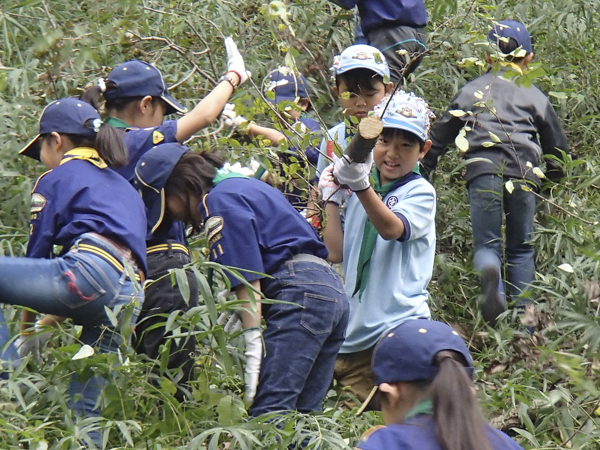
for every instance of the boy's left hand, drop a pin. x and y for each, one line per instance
(352, 174)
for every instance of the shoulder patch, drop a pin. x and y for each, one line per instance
(38, 201)
(157, 137)
(212, 228)
(392, 201)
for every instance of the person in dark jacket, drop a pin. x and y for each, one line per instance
(396, 28)
(503, 128)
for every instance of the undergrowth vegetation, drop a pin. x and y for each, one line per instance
(541, 389)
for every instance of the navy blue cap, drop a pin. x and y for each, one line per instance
(151, 174)
(511, 29)
(287, 85)
(68, 116)
(136, 78)
(407, 353)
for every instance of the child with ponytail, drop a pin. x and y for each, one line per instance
(84, 207)
(423, 372)
(137, 101)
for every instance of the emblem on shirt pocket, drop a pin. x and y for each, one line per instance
(157, 137)
(212, 228)
(37, 202)
(392, 201)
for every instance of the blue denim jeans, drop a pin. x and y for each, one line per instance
(303, 336)
(489, 201)
(78, 286)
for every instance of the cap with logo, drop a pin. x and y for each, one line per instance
(286, 84)
(361, 57)
(136, 78)
(407, 112)
(68, 116)
(407, 353)
(507, 29)
(151, 174)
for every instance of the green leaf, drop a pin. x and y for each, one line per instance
(494, 138)
(461, 143)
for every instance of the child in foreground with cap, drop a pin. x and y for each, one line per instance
(97, 217)
(287, 90)
(423, 372)
(137, 100)
(504, 156)
(251, 226)
(361, 76)
(385, 235)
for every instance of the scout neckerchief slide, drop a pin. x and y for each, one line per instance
(370, 233)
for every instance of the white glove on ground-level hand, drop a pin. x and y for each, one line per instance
(330, 191)
(235, 62)
(254, 350)
(32, 343)
(354, 175)
(231, 320)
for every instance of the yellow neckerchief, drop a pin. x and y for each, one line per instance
(85, 153)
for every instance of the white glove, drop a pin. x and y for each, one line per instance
(232, 120)
(232, 322)
(354, 175)
(235, 62)
(330, 191)
(254, 350)
(32, 343)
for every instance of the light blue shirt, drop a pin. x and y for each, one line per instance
(335, 134)
(400, 270)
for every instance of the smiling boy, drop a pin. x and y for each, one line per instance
(385, 236)
(362, 79)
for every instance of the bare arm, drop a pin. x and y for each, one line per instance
(28, 319)
(207, 111)
(251, 317)
(333, 234)
(388, 225)
(276, 137)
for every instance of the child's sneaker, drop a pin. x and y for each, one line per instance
(493, 302)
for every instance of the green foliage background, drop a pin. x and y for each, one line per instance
(542, 389)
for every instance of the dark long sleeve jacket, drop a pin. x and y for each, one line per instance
(524, 122)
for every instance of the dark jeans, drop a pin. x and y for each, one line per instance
(390, 40)
(489, 201)
(302, 338)
(161, 299)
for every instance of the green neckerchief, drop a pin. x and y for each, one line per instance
(223, 174)
(117, 123)
(370, 235)
(425, 407)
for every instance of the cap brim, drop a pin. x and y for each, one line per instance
(32, 149)
(156, 213)
(173, 106)
(372, 403)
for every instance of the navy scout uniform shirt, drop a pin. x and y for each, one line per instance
(138, 141)
(419, 433)
(250, 225)
(82, 195)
